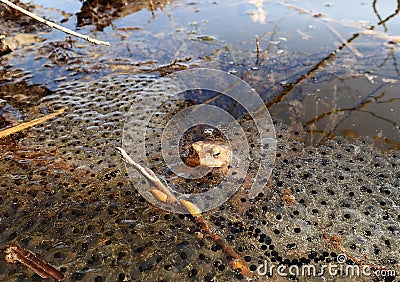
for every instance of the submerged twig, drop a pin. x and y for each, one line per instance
(16, 253)
(25, 125)
(53, 25)
(162, 194)
(236, 262)
(336, 242)
(281, 96)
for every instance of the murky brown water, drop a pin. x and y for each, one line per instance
(64, 193)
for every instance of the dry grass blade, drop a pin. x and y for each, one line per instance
(28, 124)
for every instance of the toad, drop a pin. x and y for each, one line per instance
(208, 153)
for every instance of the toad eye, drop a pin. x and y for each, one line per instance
(216, 153)
(192, 152)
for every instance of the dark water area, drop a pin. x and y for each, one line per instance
(351, 92)
(327, 71)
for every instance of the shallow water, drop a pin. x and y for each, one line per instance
(64, 192)
(352, 94)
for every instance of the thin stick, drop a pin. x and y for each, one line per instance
(25, 125)
(53, 25)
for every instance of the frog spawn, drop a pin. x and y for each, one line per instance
(64, 195)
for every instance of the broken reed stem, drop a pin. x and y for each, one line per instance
(151, 176)
(25, 125)
(258, 48)
(53, 25)
(152, 9)
(162, 194)
(15, 253)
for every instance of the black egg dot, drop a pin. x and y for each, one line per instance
(312, 255)
(183, 255)
(193, 272)
(276, 231)
(291, 246)
(77, 276)
(253, 267)
(346, 215)
(247, 258)
(239, 276)
(121, 277)
(297, 230)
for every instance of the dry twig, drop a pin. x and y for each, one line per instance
(53, 25)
